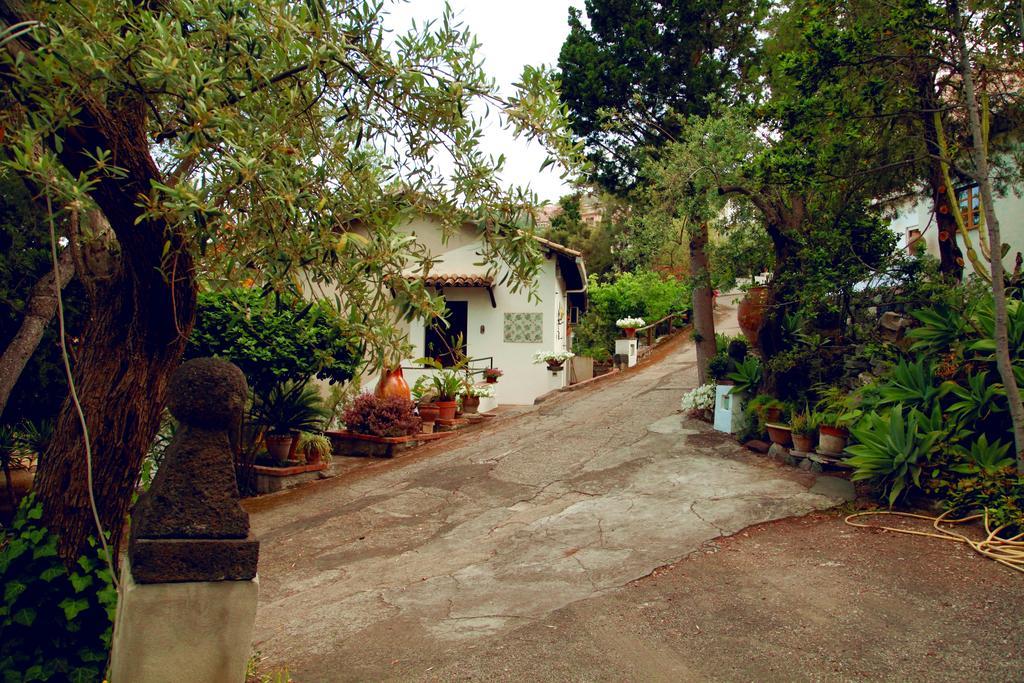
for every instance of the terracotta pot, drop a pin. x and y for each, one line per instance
(751, 312)
(772, 414)
(446, 409)
(279, 446)
(313, 457)
(780, 434)
(392, 384)
(21, 482)
(429, 412)
(803, 442)
(630, 332)
(832, 440)
(470, 404)
(491, 380)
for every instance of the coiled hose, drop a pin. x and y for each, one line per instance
(1007, 551)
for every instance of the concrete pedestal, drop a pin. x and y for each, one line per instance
(729, 415)
(199, 632)
(627, 348)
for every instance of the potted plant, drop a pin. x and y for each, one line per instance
(471, 399)
(17, 459)
(448, 386)
(747, 376)
(719, 368)
(780, 434)
(838, 411)
(286, 410)
(316, 448)
(804, 427)
(554, 359)
(423, 395)
(377, 427)
(629, 325)
(491, 375)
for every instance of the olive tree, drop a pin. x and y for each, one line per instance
(271, 140)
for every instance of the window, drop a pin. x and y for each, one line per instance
(970, 206)
(914, 241)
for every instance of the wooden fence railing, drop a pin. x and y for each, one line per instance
(668, 323)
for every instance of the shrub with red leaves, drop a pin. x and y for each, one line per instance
(381, 416)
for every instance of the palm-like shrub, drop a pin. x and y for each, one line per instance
(288, 408)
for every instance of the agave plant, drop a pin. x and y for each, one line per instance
(747, 377)
(985, 457)
(895, 447)
(941, 329)
(985, 319)
(913, 385)
(978, 399)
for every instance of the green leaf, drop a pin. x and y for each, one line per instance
(80, 581)
(12, 590)
(73, 607)
(25, 616)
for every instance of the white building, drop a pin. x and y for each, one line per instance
(499, 328)
(915, 224)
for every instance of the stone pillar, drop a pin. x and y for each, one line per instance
(188, 590)
(627, 350)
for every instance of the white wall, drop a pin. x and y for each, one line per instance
(523, 381)
(1009, 210)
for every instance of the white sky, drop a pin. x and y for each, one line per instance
(512, 35)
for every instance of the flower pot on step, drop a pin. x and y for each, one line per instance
(429, 412)
(446, 409)
(279, 446)
(470, 404)
(832, 440)
(780, 434)
(803, 442)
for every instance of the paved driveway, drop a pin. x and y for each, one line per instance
(383, 572)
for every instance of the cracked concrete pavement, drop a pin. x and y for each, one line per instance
(499, 528)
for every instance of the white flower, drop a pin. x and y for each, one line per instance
(481, 391)
(555, 356)
(629, 322)
(701, 398)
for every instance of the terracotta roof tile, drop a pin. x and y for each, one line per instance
(456, 280)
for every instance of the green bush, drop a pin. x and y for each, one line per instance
(274, 339)
(55, 623)
(644, 294)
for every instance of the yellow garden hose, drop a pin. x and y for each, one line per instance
(1007, 551)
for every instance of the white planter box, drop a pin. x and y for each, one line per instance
(729, 415)
(627, 348)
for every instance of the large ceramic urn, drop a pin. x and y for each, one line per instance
(392, 384)
(751, 312)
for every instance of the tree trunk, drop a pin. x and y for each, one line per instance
(39, 309)
(980, 155)
(703, 302)
(140, 317)
(121, 376)
(951, 260)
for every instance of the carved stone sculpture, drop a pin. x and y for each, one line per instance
(190, 526)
